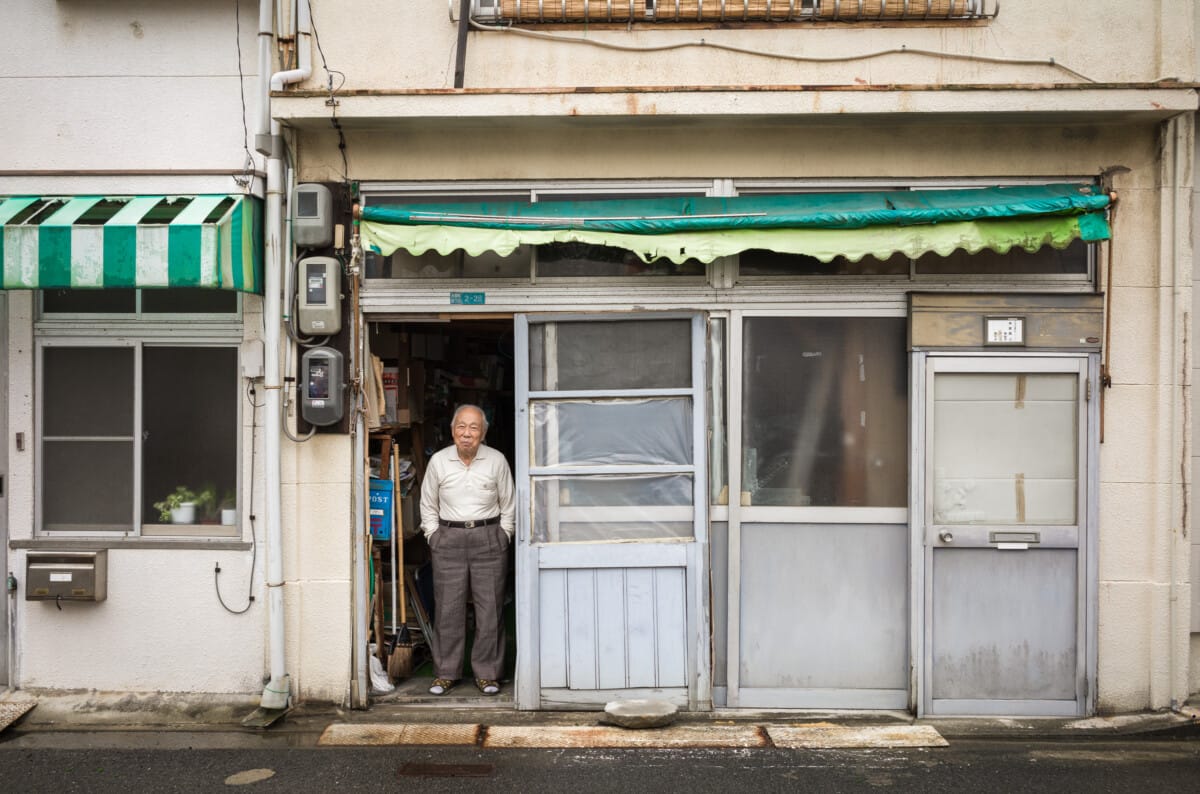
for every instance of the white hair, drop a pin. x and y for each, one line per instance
(463, 407)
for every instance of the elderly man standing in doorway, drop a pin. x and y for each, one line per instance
(468, 517)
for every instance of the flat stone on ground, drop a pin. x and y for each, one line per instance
(640, 713)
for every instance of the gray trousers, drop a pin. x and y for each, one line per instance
(475, 561)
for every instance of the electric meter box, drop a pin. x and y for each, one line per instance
(66, 576)
(319, 298)
(322, 386)
(312, 216)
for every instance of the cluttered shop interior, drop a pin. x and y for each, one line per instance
(420, 373)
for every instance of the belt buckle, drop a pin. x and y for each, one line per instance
(471, 524)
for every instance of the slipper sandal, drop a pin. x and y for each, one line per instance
(441, 686)
(487, 686)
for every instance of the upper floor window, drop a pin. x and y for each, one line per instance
(726, 11)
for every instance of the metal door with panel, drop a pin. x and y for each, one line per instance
(1007, 585)
(612, 527)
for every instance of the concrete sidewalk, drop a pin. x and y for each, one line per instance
(212, 720)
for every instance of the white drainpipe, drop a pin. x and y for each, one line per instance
(277, 691)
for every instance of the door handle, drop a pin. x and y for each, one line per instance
(946, 536)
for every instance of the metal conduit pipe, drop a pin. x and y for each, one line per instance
(277, 692)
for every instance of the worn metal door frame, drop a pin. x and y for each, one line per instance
(530, 558)
(738, 696)
(924, 365)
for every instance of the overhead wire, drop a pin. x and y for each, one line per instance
(248, 165)
(785, 56)
(332, 101)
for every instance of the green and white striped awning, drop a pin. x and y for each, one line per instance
(145, 242)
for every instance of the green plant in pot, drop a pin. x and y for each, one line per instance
(179, 506)
(207, 505)
(228, 508)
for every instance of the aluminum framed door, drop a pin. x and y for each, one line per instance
(612, 587)
(818, 539)
(1006, 516)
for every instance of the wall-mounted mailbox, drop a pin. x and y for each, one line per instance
(66, 576)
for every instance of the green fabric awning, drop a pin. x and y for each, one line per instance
(822, 225)
(96, 242)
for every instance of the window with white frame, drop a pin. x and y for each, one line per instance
(139, 419)
(130, 430)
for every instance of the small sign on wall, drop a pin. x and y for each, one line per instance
(1004, 331)
(468, 298)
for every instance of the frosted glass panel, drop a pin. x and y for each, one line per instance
(633, 507)
(612, 432)
(1005, 448)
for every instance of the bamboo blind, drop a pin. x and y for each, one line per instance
(727, 10)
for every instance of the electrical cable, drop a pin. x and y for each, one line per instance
(902, 50)
(332, 101)
(248, 166)
(250, 501)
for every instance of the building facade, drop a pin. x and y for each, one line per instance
(841, 353)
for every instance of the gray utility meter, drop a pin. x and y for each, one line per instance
(322, 387)
(319, 309)
(312, 216)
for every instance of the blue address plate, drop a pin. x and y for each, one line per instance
(468, 298)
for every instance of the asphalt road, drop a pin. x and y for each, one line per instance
(68, 764)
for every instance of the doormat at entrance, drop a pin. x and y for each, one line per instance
(607, 737)
(387, 734)
(11, 711)
(829, 737)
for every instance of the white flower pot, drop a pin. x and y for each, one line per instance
(229, 516)
(184, 514)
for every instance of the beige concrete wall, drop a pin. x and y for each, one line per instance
(317, 566)
(1194, 524)
(653, 149)
(384, 45)
(125, 85)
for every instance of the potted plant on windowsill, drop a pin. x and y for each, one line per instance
(206, 504)
(228, 508)
(179, 507)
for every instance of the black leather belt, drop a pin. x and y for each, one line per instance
(481, 522)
